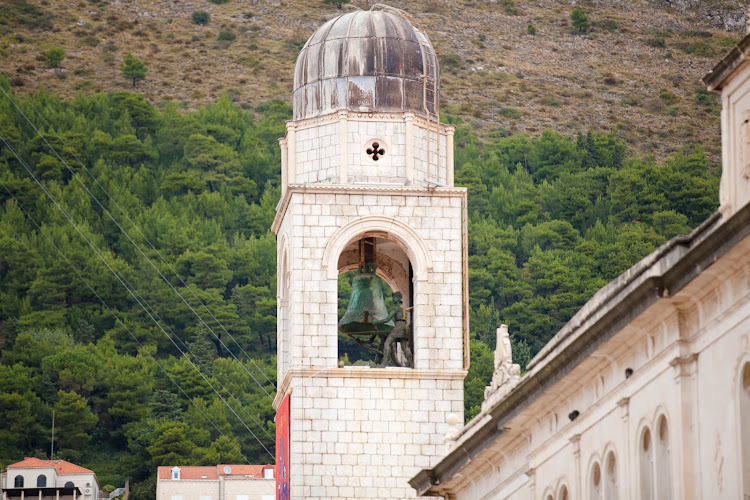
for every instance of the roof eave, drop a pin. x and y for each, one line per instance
(621, 310)
(721, 73)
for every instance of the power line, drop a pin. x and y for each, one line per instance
(117, 318)
(123, 283)
(166, 280)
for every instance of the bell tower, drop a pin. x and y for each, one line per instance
(367, 190)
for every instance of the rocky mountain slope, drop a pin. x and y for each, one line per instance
(507, 65)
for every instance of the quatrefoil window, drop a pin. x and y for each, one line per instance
(375, 152)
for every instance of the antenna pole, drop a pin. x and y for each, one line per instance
(52, 445)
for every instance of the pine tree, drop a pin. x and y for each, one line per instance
(133, 68)
(580, 20)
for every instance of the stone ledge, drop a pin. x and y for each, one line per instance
(365, 189)
(369, 373)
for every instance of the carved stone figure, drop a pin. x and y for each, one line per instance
(506, 373)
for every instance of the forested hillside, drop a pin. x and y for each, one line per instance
(120, 220)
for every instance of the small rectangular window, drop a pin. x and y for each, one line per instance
(268, 473)
(242, 497)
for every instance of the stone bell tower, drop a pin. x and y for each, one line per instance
(366, 160)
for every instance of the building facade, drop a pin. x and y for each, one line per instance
(645, 393)
(58, 479)
(220, 482)
(367, 182)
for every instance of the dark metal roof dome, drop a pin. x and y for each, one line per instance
(366, 61)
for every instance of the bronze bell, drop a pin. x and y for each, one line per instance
(366, 312)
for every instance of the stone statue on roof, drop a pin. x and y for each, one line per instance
(506, 373)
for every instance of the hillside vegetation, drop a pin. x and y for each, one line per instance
(120, 221)
(635, 71)
(124, 211)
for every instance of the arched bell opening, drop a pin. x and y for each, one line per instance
(283, 334)
(376, 295)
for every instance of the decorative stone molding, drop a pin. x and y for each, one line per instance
(390, 228)
(432, 192)
(506, 374)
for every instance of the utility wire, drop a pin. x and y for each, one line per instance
(142, 235)
(122, 282)
(116, 317)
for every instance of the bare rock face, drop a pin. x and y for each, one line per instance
(729, 15)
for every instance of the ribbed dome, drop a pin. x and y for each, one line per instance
(366, 61)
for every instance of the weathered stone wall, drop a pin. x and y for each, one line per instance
(357, 435)
(332, 149)
(435, 221)
(686, 354)
(317, 154)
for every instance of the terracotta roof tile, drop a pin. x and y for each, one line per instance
(243, 470)
(189, 472)
(61, 466)
(213, 472)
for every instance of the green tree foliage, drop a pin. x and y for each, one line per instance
(580, 20)
(54, 56)
(551, 219)
(73, 422)
(133, 69)
(200, 17)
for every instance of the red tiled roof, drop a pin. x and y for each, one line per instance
(189, 472)
(243, 470)
(213, 472)
(61, 466)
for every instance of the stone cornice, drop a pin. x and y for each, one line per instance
(720, 74)
(363, 189)
(338, 115)
(363, 372)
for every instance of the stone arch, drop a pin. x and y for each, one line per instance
(283, 312)
(282, 279)
(645, 447)
(594, 479)
(385, 227)
(662, 462)
(563, 492)
(610, 475)
(387, 268)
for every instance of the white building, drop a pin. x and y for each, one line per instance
(220, 482)
(645, 393)
(365, 163)
(47, 479)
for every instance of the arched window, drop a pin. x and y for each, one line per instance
(549, 497)
(18, 482)
(595, 482)
(663, 476)
(283, 313)
(610, 478)
(646, 466)
(563, 495)
(41, 481)
(70, 484)
(745, 428)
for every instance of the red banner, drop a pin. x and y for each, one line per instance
(282, 449)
